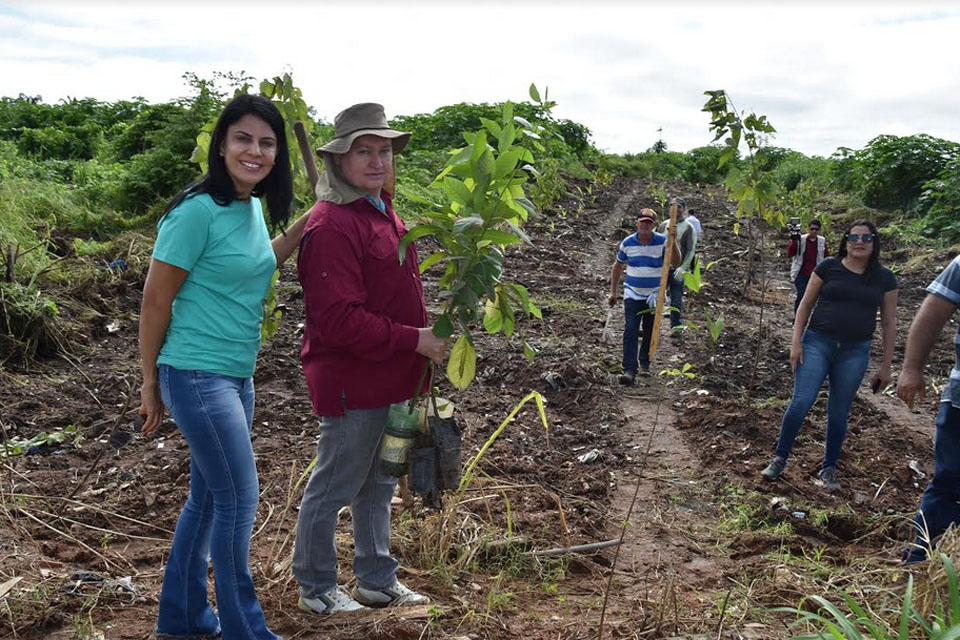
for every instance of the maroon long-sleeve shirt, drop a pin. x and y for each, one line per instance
(363, 308)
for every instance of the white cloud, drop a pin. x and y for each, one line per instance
(825, 75)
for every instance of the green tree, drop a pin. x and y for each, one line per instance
(750, 184)
(486, 206)
(941, 198)
(890, 172)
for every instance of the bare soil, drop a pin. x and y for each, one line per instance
(86, 525)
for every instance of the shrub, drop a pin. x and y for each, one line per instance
(668, 165)
(941, 196)
(704, 165)
(28, 323)
(891, 171)
(64, 142)
(794, 168)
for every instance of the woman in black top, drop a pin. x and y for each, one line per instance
(847, 291)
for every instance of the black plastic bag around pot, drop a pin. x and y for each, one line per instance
(447, 439)
(423, 475)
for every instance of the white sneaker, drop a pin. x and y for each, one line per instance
(333, 600)
(393, 596)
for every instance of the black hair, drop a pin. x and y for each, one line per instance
(277, 187)
(815, 222)
(873, 266)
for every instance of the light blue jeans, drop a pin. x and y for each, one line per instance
(845, 363)
(346, 474)
(214, 413)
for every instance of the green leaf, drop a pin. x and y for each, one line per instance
(268, 89)
(509, 320)
(199, 155)
(457, 191)
(534, 94)
(462, 366)
(431, 260)
(529, 352)
(501, 238)
(507, 115)
(506, 163)
(443, 327)
(491, 126)
(418, 231)
(492, 317)
(479, 146)
(466, 224)
(507, 135)
(527, 206)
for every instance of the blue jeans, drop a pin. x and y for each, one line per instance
(845, 363)
(347, 473)
(214, 413)
(940, 505)
(801, 284)
(631, 334)
(676, 299)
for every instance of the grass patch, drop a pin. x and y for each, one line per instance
(564, 305)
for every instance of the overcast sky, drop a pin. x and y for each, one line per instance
(826, 75)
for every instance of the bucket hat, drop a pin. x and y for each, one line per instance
(366, 118)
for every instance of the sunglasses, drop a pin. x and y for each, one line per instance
(865, 238)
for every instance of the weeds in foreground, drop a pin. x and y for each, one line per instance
(893, 617)
(926, 607)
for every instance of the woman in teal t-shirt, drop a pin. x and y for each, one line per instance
(199, 337)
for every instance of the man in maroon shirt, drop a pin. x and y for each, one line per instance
(365, 344)
(806, 252)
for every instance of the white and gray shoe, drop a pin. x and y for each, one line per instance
(775, 469)
(393, 596)
(333, 600)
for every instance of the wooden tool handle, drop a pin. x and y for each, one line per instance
(307, 154)
(664, 278)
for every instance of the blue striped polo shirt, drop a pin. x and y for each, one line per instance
(644, 265)
(947, 286)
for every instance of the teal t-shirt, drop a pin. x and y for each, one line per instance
(215, 324)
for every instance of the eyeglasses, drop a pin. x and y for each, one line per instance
(814, 227)
(865, 238)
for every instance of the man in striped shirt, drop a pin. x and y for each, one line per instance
(642, 255)
(940, 505)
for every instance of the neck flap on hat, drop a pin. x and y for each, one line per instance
(333, 188)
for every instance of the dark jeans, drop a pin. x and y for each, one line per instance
(633, 320)
(676, 299)
(844, 362)
(801, 284)
(939, 506)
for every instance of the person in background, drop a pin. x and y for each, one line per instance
(844, 294)
(693, 219)
(199, 338)
(687, 242)
(365, 345)
(940, 505)
(806, 252)
(642, 255)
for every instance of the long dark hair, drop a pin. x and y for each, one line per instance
(873, 266)
(277, 187)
